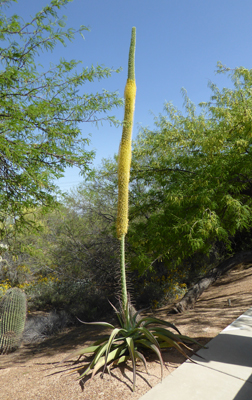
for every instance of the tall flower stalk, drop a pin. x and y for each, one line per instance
(124, 161)
(135, 334)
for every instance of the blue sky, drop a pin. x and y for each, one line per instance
(178, 45)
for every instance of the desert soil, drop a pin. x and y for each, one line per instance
(34, 372)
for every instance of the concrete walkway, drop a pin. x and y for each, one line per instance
(224, 374)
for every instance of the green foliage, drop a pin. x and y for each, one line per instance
(158, 286)
(191, 177)
(12, 319)
(77, 297)
(72, 262)
(130, 341)
(41, 112)
(190, 190)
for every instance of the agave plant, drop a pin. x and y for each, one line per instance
(130, 341)
(135, 334)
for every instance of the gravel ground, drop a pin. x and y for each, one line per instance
(34, 373)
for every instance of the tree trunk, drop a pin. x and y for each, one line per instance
(195, 292)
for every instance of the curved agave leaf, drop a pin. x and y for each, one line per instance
(164, 345)
(175, 338)
(81, 352)
(172, 336)
(156, 329)
(86, 350)
(119, 360)
(148, 335)
(95, 360)
(113, 335)
(183, 337)
(131, 347)
(142, 358)
(151, 320)
(86, 372)
(134, 317)
(152, 346)
(94, 364)
(99, 353)
(137, 313)
(112, 305)
(117, 313)
(173, 343)
(106, 324)
(113, 355)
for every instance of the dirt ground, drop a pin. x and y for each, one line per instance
(34, 373)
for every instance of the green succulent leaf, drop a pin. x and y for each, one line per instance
(156, 330)
(81, 352)
(111, 357)
(156, 349)
(121, 359)
(131, 348)
(95, 360)
(148, 335)
(105, 324)
(189, 339)
(86, 350)
(151, 320)
(99, 353)
(173, 343)
(113, 335)
(142, 358)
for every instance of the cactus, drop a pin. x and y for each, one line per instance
(12, 320)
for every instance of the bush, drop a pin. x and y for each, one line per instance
(78, 298)
(159, 286)
(40, 327)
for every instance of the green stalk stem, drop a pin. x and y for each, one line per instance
(131, 62)
(124, 164)
(123, 274)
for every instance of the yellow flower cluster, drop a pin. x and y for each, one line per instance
(23, 268)
(125, 159)
(45, 279)
(4, 286)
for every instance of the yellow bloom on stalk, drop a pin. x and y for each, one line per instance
(124, 158)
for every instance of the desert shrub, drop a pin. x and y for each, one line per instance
(159, 285)
(78, 298)
(157, 292)
(4, 286)
(40, 327)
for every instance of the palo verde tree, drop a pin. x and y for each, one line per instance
(194, 171)
(41, 111)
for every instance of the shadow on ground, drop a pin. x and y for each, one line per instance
(211, 314)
